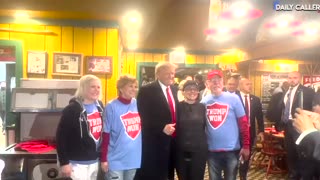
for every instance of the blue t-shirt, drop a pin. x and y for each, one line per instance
(222, 121)
(94, 122)
(124, 126)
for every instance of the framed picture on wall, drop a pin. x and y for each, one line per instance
(68, 64)
(37, 62)
(99, 64)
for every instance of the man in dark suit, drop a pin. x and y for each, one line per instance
(297, 96)
(274, 110)
(232, 84)
(156, 105)
(253, 109)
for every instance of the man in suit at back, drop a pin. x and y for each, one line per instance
(157, 108)
(253, 109)
(274, 111)
(297, 96)
(232, 84)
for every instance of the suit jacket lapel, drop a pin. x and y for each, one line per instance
(162, 97)
(251, 105)
(296, 95)
(238, 93)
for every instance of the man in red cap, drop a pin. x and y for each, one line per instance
(227, 125)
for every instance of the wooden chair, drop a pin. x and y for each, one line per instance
(271, 147)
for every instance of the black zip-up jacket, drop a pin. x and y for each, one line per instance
(73, 139)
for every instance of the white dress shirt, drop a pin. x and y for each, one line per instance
(293, 92)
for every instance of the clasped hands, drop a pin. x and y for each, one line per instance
(306, 120)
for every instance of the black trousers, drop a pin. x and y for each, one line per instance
(191, 165)
(293, 161)
(172, 159)
(244, 168)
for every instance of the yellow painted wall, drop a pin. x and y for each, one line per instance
(89, 41)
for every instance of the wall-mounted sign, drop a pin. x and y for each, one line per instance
(67, 64)
(99, 64)
(177, 57)
(7, 53)
(313, 82)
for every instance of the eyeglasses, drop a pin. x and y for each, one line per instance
(191, 89)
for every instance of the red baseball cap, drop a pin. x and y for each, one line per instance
(213, 73)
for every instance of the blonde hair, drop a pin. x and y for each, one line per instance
(84, 84)
(124, 80)
(164, 65)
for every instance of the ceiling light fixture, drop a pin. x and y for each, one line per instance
(241, 11)
(21, 15)
(132, 20)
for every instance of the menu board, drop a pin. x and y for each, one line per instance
(270, 83)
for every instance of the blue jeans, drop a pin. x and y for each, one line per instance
(226, 162)
(121, 175)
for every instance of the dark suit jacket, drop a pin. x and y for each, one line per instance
(155, 114)
(309, 147)
(255, 115)
(274, 111)
(308, 95)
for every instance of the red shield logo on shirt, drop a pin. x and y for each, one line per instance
(217, 114)
(95, 124)
(132, 124)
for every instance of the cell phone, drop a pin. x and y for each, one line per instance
(301, 99)
(241, 159)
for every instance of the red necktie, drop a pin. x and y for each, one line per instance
(171, 106)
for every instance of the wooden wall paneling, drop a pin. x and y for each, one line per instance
(83, 43)
(190, 59)
(34, 42)
(100, 49)
(157, 58)
(113, 50)
(131, 64)
(139, 57)
(4, 35)
(21, 37)
(210, 59)
(67, 33)
(200, 59)
(124, 64)
(147, 57)
(52, 44)
(99, 42)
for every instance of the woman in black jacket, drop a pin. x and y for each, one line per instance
(79, 131)
(191, 137)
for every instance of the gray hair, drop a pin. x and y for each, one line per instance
(164, 65)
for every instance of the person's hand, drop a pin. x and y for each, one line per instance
(305, 120)
(66, 170)
(245, 153)
(261, 136)
(169, 129)
(104, 166)
(316, 109)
